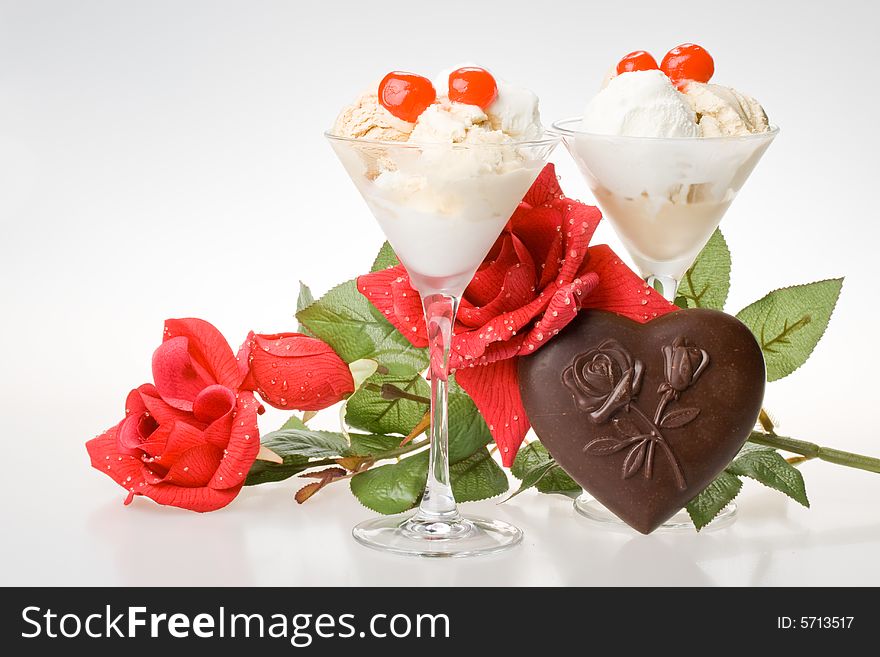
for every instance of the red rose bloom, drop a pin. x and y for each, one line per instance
(292, 370)
(538, 275)
(190, 439)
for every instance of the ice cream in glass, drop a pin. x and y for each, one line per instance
(442, 165)
(665, 152)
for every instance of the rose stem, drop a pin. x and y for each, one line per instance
(814, 451)
(390, 454)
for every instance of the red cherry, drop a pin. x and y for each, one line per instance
(473, 86)
(688, 62)
(406, 95)
(638, 60)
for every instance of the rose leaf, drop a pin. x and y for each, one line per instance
(788, 323)
(707, 283)
(344, 319)
(679, 417)
(717, 495)
(767, 466)
(634, 460)
(385, 258)
(394, 487)
(478, 477)
(303, 301)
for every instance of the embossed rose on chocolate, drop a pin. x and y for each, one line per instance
(604, 380)
(683, 365)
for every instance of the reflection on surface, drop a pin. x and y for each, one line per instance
(265, 538)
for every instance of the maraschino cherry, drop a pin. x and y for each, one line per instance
(688, 63)
(406, 95)
(638, 60)
(472, 85)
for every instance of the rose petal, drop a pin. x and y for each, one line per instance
(161, 410)
(192, 499)
(516, 291)
(213, 402)
(579, 222)
(195, 467)
(545, 188)
(563, 308)
(539, 230)
(497, 351)
(178, 377)
(488, 281)
(181, 438)
(134, 405)
(620, 290)
(242, 447)
(390, 292)
(125, 469)
(133, 432)
(495, 390)
(208, 347)
(157, 441)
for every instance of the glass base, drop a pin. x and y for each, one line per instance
(410, 535)
(597, 513)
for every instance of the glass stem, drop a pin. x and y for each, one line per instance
(438, 502)
(665, 285)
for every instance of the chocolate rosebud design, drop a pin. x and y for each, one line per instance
(683, 365)
(604, 380)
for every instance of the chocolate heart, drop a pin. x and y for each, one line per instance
(644, 416)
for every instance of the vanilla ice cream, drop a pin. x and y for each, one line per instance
(640, 104)
(665, 197)
(442, 188)
(367, 119)
(724, 111)
(514, 112)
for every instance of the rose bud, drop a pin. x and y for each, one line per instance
(295, 371)
(683, 364)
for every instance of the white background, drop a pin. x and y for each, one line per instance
(165, 159)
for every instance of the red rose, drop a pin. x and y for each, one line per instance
(291, 370)
(537, 276)
(190, 439)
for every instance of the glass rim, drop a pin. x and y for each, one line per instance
(561, 128)
(549, 139)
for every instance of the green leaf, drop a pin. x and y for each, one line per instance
(370, 444)
(303, 301)
(477, 477)
(350, 324)
(308, 443)
(766, 465)
(556, 480)
(467, 428)
(293, 422)
(707, 283)
(385, 258)
(533, 476)
(392, 488)
(788, 323)
(368, 410)
(717, 495)
(264, 472)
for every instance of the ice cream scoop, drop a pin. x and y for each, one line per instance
(365, 118)
(640, 104)
(725, 112)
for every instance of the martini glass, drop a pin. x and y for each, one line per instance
(664, 197)
(442, 206)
